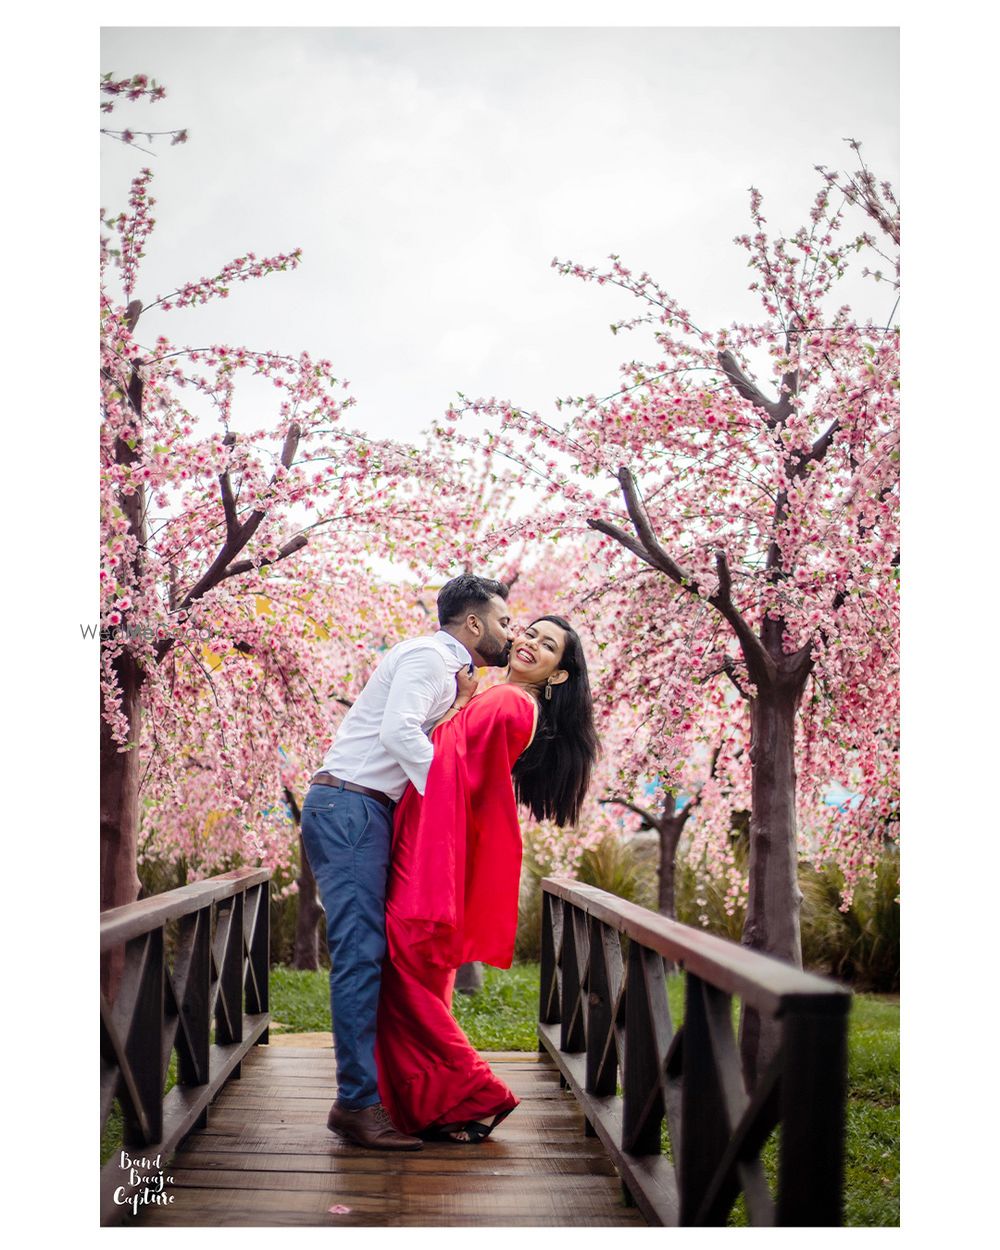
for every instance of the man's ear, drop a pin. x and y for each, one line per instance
(558, 677)
(473, 624)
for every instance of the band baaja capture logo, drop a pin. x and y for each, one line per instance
(143, 1183)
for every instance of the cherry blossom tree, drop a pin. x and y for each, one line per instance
(755, 538)
(198, 521)
(226, 769)
(666, 811)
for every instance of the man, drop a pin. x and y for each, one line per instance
(382, 745)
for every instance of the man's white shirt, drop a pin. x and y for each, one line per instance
(382, 742)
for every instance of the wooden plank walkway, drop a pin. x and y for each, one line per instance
(266, 1158)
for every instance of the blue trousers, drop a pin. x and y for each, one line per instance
(347, 837)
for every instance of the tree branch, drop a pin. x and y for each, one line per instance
(289, 549)
(222, 567)
(291, 445)
(840, 598)
(760, 665)
(643, 527)
(777, 411)
(715, 762)
(228, 502)
(654, 822)
(818, 449)
(727, 667)
(216, 571)
(132, 314)
(605, 527)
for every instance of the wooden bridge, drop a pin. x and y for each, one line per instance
(613, 1082)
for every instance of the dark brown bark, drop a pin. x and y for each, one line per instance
(772, 920)
(120, 796)
(310, 912)
(774, 898)
(670, 835)
(469, 978)
(119, 816)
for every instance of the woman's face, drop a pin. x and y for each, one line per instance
(537, 653)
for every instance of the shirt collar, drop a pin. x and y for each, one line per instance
(458, 649)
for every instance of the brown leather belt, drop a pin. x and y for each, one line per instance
(328, 779)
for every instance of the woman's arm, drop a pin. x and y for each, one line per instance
(466, 683)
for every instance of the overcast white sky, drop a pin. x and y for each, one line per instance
(430, 175)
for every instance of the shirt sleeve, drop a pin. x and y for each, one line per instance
(416, 687)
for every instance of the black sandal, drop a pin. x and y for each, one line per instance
(475, 1130)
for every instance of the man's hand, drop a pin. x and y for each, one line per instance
(466, 683)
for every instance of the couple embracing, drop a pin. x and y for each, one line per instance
(412, 833)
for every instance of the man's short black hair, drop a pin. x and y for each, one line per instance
(465, 594)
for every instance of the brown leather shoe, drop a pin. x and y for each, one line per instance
(370, 1126)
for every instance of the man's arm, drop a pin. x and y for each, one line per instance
(415, 688)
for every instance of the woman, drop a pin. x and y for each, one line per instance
(455, 871)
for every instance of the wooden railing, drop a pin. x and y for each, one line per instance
(217, 932)
(600, 1015)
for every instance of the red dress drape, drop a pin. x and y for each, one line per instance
(451, 898)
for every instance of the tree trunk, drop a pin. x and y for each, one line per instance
(469, 978)
(305, 956)
(772, 919)
(120, 772)
(120, 812)
(670, 826)
(310, 912)
(669, 829)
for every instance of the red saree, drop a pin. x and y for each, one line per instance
(451, 898)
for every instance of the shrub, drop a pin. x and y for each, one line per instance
(701, 901)
(860, 945)
(626, 868)
(535, 864)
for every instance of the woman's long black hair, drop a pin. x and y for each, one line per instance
(551, 777)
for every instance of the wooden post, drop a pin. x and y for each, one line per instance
(603, 983)
(143, 978)
(194, 965)
(258, 939)
(813, 1108)
(704, 1125)
(229, 962)
(643, 1099)
(571, 1008)
(548, 1001)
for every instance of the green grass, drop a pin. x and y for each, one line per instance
(300, 1000)
(501, 1016)
(872, 1141)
